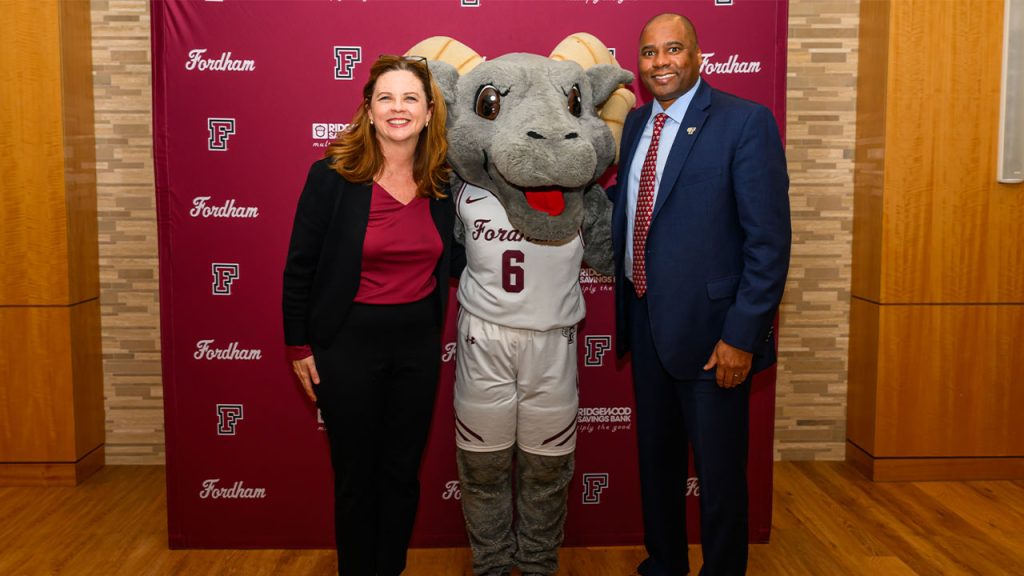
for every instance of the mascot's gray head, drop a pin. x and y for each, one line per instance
(523, 124)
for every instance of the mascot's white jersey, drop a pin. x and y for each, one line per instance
(510, 280)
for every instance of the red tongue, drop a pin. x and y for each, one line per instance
(549, 201)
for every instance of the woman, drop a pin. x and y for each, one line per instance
(365, 287)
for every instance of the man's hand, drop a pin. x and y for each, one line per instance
(305, 370)
(733, 364)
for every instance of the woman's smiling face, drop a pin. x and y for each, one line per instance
(398, 108)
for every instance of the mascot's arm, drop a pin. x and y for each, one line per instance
(455, 184)
(459, 246)
(597, 230)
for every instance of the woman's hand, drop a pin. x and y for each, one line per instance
(305, 370)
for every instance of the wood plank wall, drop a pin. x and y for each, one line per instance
(937, 319)
(51, 380)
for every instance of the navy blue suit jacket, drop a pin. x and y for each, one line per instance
(719, 240)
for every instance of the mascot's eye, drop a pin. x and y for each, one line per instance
(488, 102)
(575, 101)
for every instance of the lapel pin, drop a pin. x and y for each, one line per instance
(691, 130)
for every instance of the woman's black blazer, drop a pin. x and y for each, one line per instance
(322, 273)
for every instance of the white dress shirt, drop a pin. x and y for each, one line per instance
(668, 135)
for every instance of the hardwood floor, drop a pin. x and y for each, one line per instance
(828, 520)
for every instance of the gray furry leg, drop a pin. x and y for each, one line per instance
(485, 479)
(543, 485)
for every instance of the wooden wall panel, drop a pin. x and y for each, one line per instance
(87, 377)
(949, 381)
(51, 382)
(933, 469)
(863, 373)
(951, 233)
(33, 222)
(79, 151)
(938, 290)
(36, 393)
(52, 473)
(869, 166)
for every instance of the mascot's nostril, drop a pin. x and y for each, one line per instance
(571, 135)
(534, 135)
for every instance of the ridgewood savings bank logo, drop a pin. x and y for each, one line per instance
(328, 130)
(592, 281)
(604, 419)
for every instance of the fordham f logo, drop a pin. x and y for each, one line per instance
(469, 3)
(220, 129)
(596, 348)
(593, 485)
(223, 276)
(345, 60)
(228, 416)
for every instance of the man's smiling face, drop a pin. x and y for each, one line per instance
(669, 60)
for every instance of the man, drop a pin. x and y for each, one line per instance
(701, 236)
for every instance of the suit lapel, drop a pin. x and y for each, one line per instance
(694, 119)
(630, 140)
(354, 212)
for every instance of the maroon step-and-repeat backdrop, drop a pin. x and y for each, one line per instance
(247, 93)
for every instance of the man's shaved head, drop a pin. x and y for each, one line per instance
(669, 16)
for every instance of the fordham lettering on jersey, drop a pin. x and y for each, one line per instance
(481, 231)
(511, 279)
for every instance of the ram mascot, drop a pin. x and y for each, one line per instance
(527, 145)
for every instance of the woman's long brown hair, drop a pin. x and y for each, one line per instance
(356, 154)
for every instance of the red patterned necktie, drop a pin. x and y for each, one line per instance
(645, 207)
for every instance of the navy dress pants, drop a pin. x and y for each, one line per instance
(671, 415)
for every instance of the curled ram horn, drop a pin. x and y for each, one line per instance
(586, 50)
(448, 50)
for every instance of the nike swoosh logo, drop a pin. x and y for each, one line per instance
(477, 199)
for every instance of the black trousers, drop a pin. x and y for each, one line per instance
(378, 381)
(672, 414)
